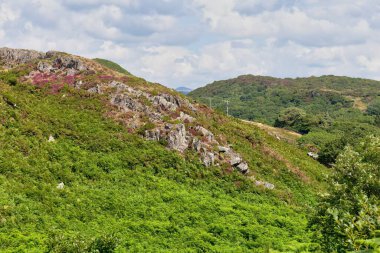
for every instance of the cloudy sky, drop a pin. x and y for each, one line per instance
(194, 42)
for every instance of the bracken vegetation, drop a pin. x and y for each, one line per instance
(73, 178)
(122, 193)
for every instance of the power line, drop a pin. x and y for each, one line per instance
(227, 102)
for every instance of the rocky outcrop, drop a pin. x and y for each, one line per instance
(172, 118)
(177, 138)
(127, 103)
(205, 133)
(68, 62)
(153, 135)
(10, 57)
(243, 167)
(166, 102)
(208, 159)
(185, 118)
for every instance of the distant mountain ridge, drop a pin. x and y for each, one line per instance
(184, 90)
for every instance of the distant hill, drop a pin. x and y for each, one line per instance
(183, 90)
(324, 108)
(112, 65)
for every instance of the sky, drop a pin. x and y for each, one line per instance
(194, 42)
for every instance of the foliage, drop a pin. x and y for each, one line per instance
(293, 118)
(350, 213)
(374, 107)
(124, 194)
(315, 106)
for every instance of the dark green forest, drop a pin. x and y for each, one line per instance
(331, 112)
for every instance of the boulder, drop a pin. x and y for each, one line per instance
(166, 102)
(197, 144)
(44, 67)
(51, 139)
(127, 103)
(224, 149)
(265, 184)
(269, 186)
(185, 117)
(68, 62)
(235, 159)
(206, 133)
(313, 155)
(177, 138)
(208, 159)
(243, 167)
(153, 135)
(60, 186)
(95, 89)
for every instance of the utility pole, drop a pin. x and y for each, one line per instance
(227, 102)
(210, 99)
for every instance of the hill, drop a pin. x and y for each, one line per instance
(93, 160)
(324, 109)
(112, 65)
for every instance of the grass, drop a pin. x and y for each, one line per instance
(124, 194)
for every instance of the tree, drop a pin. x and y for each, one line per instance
(350, 213)
(374, 107)
(295, 119)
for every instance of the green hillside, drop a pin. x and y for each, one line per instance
(112, 65)
(327, 109)
(74, 177)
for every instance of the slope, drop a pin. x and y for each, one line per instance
(60, 122)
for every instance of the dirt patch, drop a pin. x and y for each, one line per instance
(278, 133)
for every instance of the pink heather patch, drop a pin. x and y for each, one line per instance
(70, 80)
(53, 82)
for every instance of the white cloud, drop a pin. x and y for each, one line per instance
(194, 42)
(7, 13)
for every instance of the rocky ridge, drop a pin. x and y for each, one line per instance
(163, 117)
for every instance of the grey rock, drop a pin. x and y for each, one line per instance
(208, 159)
(224, 149)
(51, 138)
(95, 89)
(197, 144)
(206, 133)
(235, 159)
(166, 102)
(269, 186)
(44, 67)
(11, 57)
(119, 86)
(243, 167)
(313, 155)
(177, 138)
(185, 117)
(127, 103)
(153, 135)
(60, 186)
(68, 62)
(78, 84)
(265, 184)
